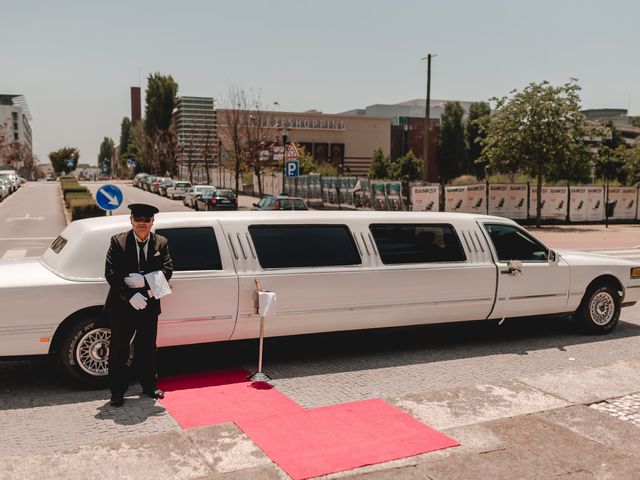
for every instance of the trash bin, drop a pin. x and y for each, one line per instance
(610, 206)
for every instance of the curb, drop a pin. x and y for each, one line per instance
(65, 210)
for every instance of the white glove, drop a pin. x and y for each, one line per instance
(134, 280)
(138, 301)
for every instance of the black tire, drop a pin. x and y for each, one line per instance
(83, 351)
(599, 311)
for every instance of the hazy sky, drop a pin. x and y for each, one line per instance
(75, 60)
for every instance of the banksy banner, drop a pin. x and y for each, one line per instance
(595, 204)
(467, 198)
(378, 192)
(624, 202)
(425, 198)
(394, 195)
(554, 203)
(517, 202)
(330, 190)
(499, 200)
(579, 204)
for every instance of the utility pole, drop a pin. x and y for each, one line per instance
(425, 150)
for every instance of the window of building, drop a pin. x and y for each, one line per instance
(283, 246)
(417, 243)
(193, 248)
(513, 243)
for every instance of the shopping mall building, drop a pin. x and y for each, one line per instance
(344, 140)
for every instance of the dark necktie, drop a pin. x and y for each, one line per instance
(142, 259)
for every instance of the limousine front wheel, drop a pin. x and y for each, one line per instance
(83, 352)
(600, 309)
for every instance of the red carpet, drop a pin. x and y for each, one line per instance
(210, 398)
(303, 442)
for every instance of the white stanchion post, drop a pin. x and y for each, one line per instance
(259, 376)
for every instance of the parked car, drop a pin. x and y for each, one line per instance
(154, 187)
(218, 199)
(330, 270)
(190, 195)
(178, 189)
(146, 183)
(138, 180)
(280, 202)
(162, 186)
(5, 190)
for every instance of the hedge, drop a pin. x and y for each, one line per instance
(84, 208)
(79, 199)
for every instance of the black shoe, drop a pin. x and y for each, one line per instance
(116, 400)
(156, 393)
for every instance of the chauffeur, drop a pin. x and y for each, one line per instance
(130, 306)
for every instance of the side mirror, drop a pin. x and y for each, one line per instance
(554, 257)
(254, 204)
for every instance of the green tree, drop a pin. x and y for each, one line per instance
(309, 165)
(452, 151)
(105, 155)
(59, 159)
(407, 167)
(380, 165)
(125, 136)
(159, 104)
(478, 112)
(535, 131)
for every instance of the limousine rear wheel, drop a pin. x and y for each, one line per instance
(83, 352)
(600, 309)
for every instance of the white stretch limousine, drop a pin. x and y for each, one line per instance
(330, 270)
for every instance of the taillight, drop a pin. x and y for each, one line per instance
(276, 205)
(213, 201)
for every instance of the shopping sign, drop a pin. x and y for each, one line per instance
(292, 151)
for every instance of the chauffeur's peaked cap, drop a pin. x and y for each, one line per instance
(142, 210)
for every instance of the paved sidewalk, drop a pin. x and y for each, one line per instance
(547, 426)
(589, 236)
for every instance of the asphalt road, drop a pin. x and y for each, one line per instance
(313, 370)
(30, 219)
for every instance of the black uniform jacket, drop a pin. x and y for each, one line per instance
(122, 259)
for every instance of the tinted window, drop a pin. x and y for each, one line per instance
(192, 248)
(280, 246)
(417, 243)
(512, 243)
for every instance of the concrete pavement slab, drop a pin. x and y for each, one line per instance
(476, 404)
(598, 426)
(227, 449)
(590, 385)
(563, 448)
(166, 455)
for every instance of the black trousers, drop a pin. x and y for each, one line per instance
(123, 327)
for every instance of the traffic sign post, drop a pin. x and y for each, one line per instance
(109, 197)
(292, 152)
(291, 168)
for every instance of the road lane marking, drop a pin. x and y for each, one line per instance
(14, 254)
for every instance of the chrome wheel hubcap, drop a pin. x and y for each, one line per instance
(92, 352)
(602, 308)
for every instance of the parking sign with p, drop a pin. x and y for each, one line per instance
(291, 168)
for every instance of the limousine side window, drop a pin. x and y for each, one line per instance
(417, 243)
(513, 243)
(192, 248)
(284, 246)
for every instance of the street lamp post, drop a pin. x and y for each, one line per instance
(285, 136)
(427, 107)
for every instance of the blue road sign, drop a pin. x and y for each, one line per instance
(291, 168)
(70, 162)
(109, 197)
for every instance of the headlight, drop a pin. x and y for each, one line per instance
(635, 272)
